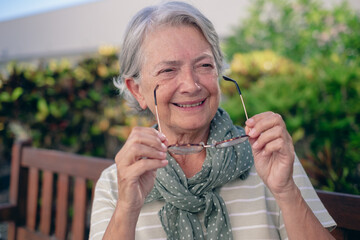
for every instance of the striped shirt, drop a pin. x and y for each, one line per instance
(253, 211)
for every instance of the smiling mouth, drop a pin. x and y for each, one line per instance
(190, 105)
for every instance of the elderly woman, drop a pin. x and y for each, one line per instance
(195, 175)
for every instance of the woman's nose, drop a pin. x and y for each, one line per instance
(189, 82)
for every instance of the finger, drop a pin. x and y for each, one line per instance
(145, 165)
(149, 137)
(136, 152)
(142, 142)
(247, 130)
(274, 146)
(266, 122)
(148, 130)
(268, 136)
(252, 121)
(161, 136)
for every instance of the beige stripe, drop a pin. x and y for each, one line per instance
(253, 227)
(148, 214)
(101, 221)
(97, 234)
(148, 227)
(242, 187)
(254, 213)
(101, 210)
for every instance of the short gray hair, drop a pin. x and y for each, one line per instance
(146, 20)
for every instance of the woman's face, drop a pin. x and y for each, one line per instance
(180, 61)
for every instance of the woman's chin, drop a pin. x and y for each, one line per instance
(192, 126)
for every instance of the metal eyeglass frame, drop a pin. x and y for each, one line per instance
(191, 148)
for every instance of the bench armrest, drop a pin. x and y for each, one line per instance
(7, 212)
(344, 208)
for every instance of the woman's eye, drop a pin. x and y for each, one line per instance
(167, 73)
(166, 70)
(204, 68)
(205, 65)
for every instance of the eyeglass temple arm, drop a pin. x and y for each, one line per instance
(156, 109)
(238, 88)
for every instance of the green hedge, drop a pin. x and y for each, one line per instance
(299, 30)
(311, 76)
(59, 105)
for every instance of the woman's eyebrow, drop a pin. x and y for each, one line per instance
(204, 56)
(166, 63)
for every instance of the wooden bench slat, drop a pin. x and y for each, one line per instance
(16, 153)
(7, 212)
(67, 163)
(62, 196)
(11, 230)
(27, 234)
(33, 191)
(46, 202)
(78, 224)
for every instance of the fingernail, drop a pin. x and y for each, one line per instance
(250, 121)
(255, 145)
(252, 132)
(163, 146)
(162, 136)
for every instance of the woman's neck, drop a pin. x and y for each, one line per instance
(190, 163)
(176, 136)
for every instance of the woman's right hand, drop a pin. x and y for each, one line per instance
(137, 161)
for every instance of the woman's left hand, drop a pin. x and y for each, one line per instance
(273, 151)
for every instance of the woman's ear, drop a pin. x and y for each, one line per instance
(135, 90)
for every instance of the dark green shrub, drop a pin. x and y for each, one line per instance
(74, 108)
(310, 76)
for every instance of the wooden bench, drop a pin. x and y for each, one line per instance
(51, 193)
(345, 210)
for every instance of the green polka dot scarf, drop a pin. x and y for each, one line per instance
(184, 198)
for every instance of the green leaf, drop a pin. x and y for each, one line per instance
(43, 108)
(16, 93)
(5, 97)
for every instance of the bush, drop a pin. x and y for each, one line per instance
(74, 108)
(299, 30)
(312, 80)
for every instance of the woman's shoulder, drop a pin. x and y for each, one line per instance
(109, 172)
(108, 178)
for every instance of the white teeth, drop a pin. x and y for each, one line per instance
(190, 105)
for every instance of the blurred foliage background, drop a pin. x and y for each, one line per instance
(302, 60)
(65, 106)
(296, 58)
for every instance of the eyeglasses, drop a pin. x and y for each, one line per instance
(190, 148)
